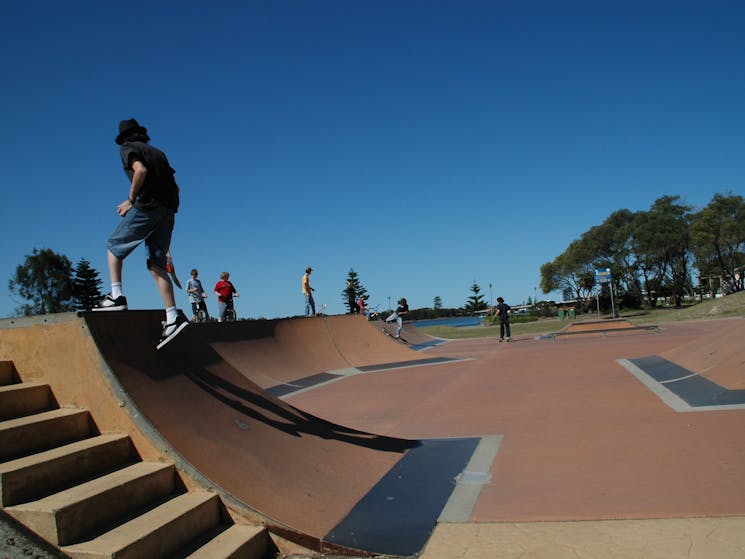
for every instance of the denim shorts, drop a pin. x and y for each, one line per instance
(152, 226)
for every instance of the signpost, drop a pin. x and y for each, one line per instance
(603, 275)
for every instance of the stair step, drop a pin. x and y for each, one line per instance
(7, 373)
(41, 431)
(157, 533)
(42, 473)
(237, 541)
(63, 518)
(25, 398)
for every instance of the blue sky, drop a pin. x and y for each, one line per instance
(426, 144)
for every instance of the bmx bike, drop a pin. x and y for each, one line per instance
(229, 315)
(201, 314)
(373, 313)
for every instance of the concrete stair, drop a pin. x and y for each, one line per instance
(91, 495)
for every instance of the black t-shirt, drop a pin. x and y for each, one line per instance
(159, 186)
(504, 314)
(402, 308)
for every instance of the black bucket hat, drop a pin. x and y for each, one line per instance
(127, 128)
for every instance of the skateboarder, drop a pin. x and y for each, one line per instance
(148, 216)
(503, 312)
(401, 311)
(310, 304)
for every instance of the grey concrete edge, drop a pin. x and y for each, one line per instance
(471, 481)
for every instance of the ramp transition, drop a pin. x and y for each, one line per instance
(204, 399)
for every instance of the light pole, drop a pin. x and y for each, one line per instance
(490, 297)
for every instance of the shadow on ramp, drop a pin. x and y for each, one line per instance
(338, 486)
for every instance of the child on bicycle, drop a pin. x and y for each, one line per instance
(197, 296)
(225, 292)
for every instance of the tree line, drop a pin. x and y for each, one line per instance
(48, 283)
(652, 254)
(474, 303)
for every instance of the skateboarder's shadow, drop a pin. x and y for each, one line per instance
(253, 402)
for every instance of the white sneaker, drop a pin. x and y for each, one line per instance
(108, 303)
(172, 330)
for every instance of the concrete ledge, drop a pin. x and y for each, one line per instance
(692, 538)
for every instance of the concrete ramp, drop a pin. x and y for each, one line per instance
(708, 375)
(203, 399)
(290, 349)
(719, 355)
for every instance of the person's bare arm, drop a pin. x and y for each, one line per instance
(138, 179)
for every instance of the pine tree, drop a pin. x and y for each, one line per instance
(86, 285)
(359, 290)
(476, 301)
(437, 303)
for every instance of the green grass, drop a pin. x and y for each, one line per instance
(730, 306)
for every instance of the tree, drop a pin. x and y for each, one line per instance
(718, 238)
(437, 303)
(359, 290)
(661, 241)
(45, 281)
(572, 271)
(476, 301)
(86, 286)
(648, 252)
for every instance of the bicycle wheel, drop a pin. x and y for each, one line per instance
(201, 315)
(229, 315)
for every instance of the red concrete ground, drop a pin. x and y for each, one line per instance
(583, 439)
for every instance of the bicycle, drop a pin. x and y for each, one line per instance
(199, 311)
(373, 313)
(230, 315)
(201, 314)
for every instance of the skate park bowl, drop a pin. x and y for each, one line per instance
(207, 402)
(338, 439)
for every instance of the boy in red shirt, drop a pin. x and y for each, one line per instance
(225, 292)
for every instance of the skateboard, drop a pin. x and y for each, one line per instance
(173, 336)
(387, 333)
(171, 269)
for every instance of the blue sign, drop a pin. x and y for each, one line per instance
(603, 275)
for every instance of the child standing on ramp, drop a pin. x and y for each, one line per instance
(310, 304)
(225, 291)
(197, 296)
(148, 216)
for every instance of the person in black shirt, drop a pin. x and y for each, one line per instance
(148, 216)
(503, 312)
(401, 311)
